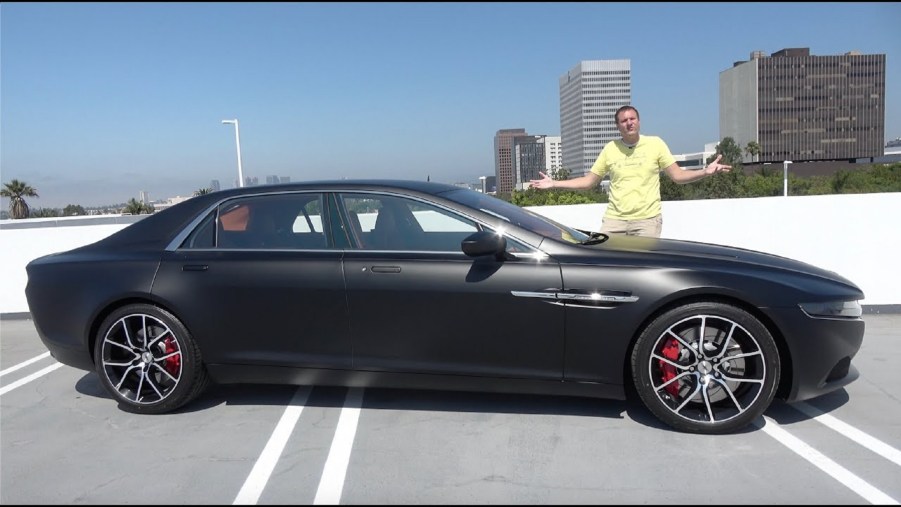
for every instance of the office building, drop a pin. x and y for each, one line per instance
(214, 185)
(590, 94)
(801, 107)
(532, 155)
(553, 153)
(488, 184)
(503, 158)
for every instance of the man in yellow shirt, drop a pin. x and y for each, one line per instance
(634, 163)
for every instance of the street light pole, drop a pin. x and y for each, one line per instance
(238, 144)
(785, 177)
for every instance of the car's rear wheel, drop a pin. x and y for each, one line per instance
(147, 360)
(706, 367)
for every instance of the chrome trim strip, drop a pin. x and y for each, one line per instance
(569, 296)
(527, 294)
(598, 297)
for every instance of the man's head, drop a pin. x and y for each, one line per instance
(628, 123)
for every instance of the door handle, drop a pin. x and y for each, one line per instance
(195, 267)
(385, 269)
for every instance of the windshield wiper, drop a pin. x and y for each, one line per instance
(593, 237)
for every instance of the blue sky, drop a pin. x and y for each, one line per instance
(101, 101)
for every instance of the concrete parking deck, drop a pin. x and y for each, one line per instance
(64, 441)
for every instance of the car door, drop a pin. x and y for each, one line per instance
(259, 281)
(418, 304)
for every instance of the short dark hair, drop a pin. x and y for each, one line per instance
(625, 108)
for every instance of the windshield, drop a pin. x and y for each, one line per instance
(515, 215)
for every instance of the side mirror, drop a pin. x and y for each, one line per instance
(482, 243)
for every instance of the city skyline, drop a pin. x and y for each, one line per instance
(103, 101)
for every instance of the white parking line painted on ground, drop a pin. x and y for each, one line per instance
(872, 443)
(259, 476)
(24, 364)
(33, 376)
(838, 472)
(332, 482)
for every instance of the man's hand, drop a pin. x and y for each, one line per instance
(716, 167)
(545, 182)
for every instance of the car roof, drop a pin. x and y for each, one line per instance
(426, 187)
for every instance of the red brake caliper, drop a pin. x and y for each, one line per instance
(172, 362)
(671, 352)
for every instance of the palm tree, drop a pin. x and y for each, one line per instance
(134, 207)
(202, 191)
(16, 191)
(752, 149)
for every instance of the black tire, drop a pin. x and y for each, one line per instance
(722, 388)
(148, 361)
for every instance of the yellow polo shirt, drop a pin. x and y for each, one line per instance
(634, 176)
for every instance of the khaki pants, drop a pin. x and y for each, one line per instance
(647, 227)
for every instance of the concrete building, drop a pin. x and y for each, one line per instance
(172, 201)
(801, 107)
(503, 158)
(590, 94)
(534, 154)
(553, 153)
(488, 184)
(696, 160)
(528, 159)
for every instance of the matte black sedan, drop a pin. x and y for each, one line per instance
(424, 285)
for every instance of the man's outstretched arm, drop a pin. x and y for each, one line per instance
(682, 176)
(588, 181)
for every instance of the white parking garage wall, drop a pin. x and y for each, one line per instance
(856, 236)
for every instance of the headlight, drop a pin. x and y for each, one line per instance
(833, 309)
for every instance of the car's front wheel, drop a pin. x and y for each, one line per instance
(147, 360)
(706, 367)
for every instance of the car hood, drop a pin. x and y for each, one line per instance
(715, 253)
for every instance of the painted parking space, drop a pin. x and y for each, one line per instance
(402, 446)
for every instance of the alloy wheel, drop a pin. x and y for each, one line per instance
(141, 358)
(707, 369)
